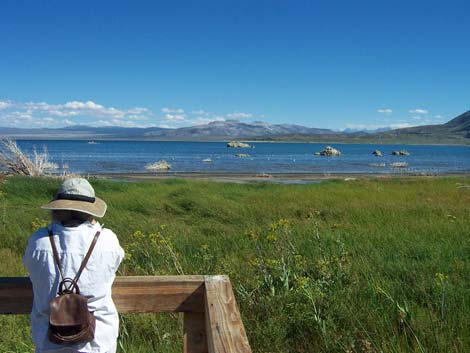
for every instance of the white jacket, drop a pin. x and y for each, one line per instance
(95, 282)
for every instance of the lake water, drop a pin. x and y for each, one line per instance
(132, 156)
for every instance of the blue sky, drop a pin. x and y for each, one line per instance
(329, 64)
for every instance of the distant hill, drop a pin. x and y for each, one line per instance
(211, 131)
(460, 123)
(457, 126)
(76, 132)
(365, 131)
(236, 129)
(456, 131)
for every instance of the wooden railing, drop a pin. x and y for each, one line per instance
(212, 321)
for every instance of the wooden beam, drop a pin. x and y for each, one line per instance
(16, 295)
(224, 327)
(130, 294)
(159, 294)
(194, 337)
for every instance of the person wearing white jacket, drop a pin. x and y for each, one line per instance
(73, 227)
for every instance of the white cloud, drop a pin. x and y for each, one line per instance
(21, 117)
(63, 113)
(90, 108)
(20, 114)
(137, 117)
(69, 122)
(36, 105)
(174, 117)
(83, 105)
(239, 115)
(43, 114)
(169, 110)
(25, 119)
(138, 110)
(438, 117)
(418, 111)
(73, 108)
(199, 112)
(203, 121)
(385, 110)
(5, 104)
(416, 117)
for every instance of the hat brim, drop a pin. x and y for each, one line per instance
(97, 208)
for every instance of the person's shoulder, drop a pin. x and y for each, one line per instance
(38, 237)
(109, 237)
(40, 234)
(109, 243)
(106, 232)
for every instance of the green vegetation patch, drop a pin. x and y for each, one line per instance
(374, 265)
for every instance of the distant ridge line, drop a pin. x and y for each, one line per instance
(455, 131)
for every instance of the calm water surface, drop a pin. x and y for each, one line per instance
(132, 156)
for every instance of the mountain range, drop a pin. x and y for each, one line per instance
(455, 131)
(215, 130)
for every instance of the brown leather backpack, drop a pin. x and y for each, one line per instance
(70, 321)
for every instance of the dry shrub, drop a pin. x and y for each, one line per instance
(17, 162)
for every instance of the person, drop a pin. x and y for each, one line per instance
(73, 227)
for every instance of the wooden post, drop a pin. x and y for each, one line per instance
(195, 338)
(225, 331)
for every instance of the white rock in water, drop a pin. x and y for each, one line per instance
(377, 153)
(237, 144)
(399, 165)
(160, 165)
(328, 151)
(401, 153)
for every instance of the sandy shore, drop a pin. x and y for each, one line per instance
(280, 178)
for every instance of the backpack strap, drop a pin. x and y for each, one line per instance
(87, 257)
(84, 262)
(56, 254)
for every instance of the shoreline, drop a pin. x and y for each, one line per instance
(275, 178)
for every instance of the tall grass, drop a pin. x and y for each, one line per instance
(378, 265)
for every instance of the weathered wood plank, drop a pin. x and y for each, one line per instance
(159, 294)
(16, 295)
(225, 330)
(194, 338)
(130, 294)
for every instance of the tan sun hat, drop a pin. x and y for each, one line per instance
(76, 194)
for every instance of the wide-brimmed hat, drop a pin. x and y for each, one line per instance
(76, 194)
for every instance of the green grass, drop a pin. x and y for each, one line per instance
(376, 265)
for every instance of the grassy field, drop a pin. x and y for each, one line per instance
(376, 265)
